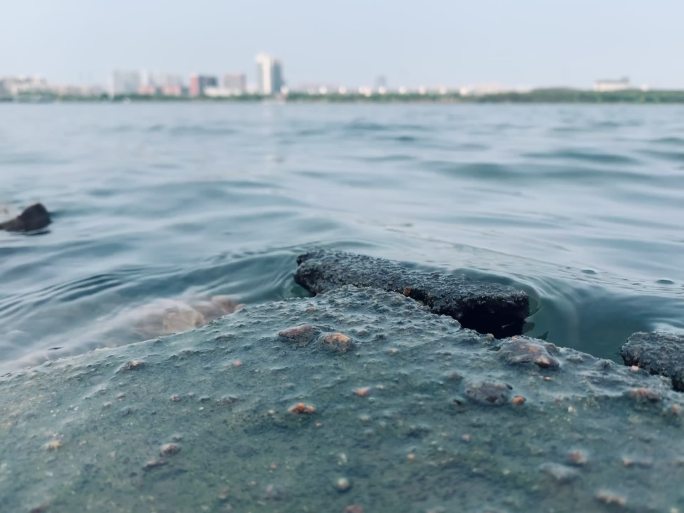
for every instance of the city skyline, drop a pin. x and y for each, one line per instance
(524, 44)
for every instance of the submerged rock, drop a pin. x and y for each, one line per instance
(658, 353)
(409, 447)
(35, 217)
(483, 306)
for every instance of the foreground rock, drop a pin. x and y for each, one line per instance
(254, 412)
(479, 305)
(658, 353)
(35, 217)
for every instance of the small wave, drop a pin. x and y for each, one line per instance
(584, 156)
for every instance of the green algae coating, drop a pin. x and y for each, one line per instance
(87, 433)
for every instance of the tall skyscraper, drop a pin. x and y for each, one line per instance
(269, 74)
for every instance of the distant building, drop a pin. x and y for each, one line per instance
(166, 84)
(606, 86)
(269, 75)
(125, 82)
(235, 83)
(26, 85)
(200, 83)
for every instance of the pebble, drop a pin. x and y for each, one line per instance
(342, 484)
(154, 463)
(362, 391)
(133, 365)
(635, 461)
(644, 395)
(561, 473)
(353, 508)
(490, 393)
(518, 400)
(302, 408)
(610, 498)
(300, 335)
(53, 445)
(520, 350)
(578, 457)
(169, 449)
(337, 342)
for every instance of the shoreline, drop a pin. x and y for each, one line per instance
(539, 96)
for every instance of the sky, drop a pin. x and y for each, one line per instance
(516, 43)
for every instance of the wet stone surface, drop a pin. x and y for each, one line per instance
(479, 305)
(439, 432)
(658, 353)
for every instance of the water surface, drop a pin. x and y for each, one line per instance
(581, 205)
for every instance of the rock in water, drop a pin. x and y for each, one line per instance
(658, 353)
(86, 434)
(32, 218)
(479, 305)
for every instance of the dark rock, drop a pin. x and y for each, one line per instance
(32, 218)
(479, 305)
(658, 353)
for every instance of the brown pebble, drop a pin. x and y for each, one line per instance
(302, 408)
(169, 449)
(362, 391)
(610, 498)
(175, 398)
(236, 363)
(337, 342)
(518, 400)
(353, 508)
(520, 350)
(578, 457)
(644, 395)
(300, 335)
(53, 445)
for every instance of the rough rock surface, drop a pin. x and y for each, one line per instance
(658, 353)
(32, 218)
(246, 414)
(479, 305)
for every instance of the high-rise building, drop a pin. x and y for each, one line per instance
(199, 83)
(269, 74)
(125, 82)
(236, 83)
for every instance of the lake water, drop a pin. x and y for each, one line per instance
(582, 206)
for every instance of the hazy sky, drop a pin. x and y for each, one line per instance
(449, 42)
